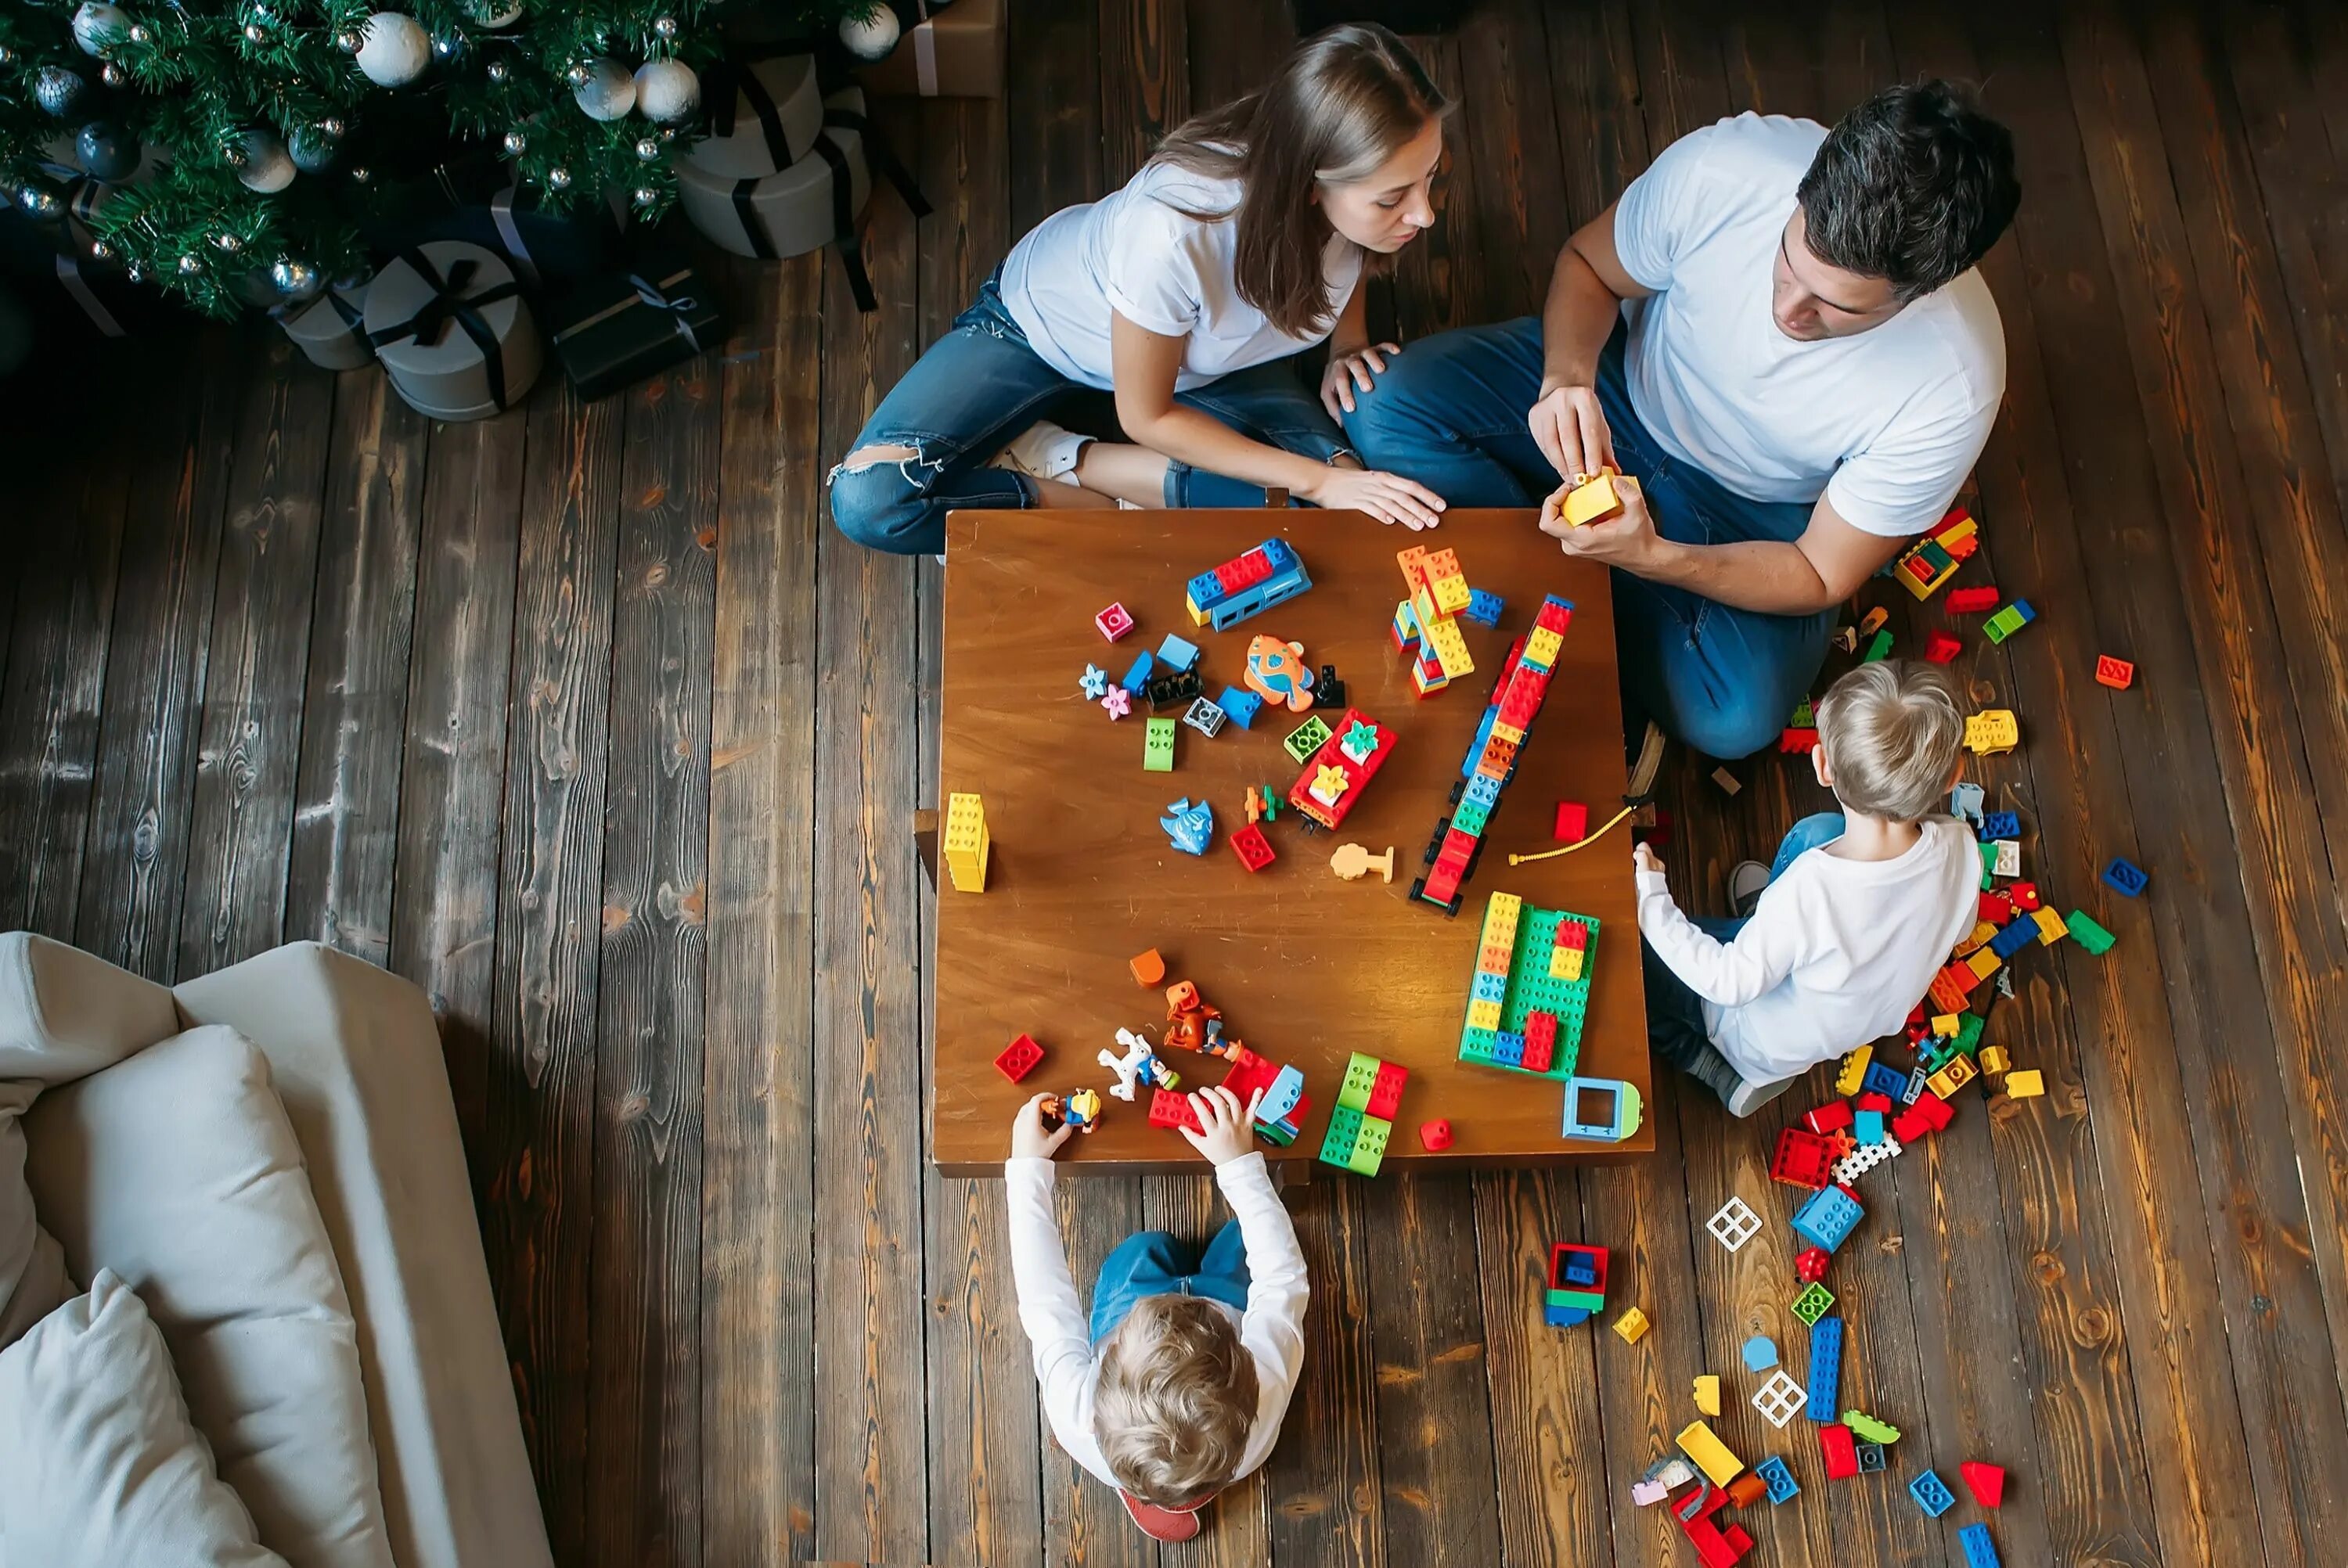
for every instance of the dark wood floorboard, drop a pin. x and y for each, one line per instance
(587, 721)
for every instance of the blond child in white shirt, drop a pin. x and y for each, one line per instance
(1851, 924)
(1176, 1386)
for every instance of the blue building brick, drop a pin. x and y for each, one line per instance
(1825, 1368)
(1932, 1494)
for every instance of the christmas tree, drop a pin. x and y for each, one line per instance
(228, 150)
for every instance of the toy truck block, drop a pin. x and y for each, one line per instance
(1632, 1326)
(2026, 1083)
(1971, 601)
(1149, 969)
(1170, 1109)
(1711, 1455)
(1825, 1367)
(1434, 1136)
(1240, 707)
(1572, 822)
(1158, 746)
(1939, 648)
(1253, 849)
(1932, 1494)
(1986, 1482)
(2117, 673)
(1113, 623)
(1779, 1480)
(1980, 1551)
(965, 843)
(1595, 500)
(1019, 1059)
(2124, 877)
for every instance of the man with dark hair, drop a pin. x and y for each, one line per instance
(1778, 335)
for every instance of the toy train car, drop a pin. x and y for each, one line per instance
(1335, 774)
(1272, 573)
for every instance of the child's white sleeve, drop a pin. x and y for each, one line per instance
(1272, 1329)
(1727, 974)
(1054, 1320)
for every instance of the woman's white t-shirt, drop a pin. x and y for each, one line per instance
(1159, 268)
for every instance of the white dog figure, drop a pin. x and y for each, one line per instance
(1137, 1067)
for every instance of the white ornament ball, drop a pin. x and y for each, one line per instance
(497, 13)
(96, 25)
(609, 92)
(668, 91)
(870, 38)
(268, 168)
(395, 50)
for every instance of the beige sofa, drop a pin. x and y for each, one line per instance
(248, 1216)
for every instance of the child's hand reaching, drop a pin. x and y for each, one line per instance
(1028, 1139)
(1229, 1127)
(1643, 859)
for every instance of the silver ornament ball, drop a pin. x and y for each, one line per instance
(664, 27)
(348, 41)
(135, 272)
(396, 49)
(100, 250)
(668, 91)
(646, 196)
(648, 148)
(228, 243)
(516, 144)
(189, 266)
(96, 25)
(361, 174)
(255, 33)
(331, 125)
(140, 34)
(57, 90)
(112, 75)
(8, 55)
(38, 202)
(579, 73)
(497, 13)
(496, 70)
(870, 38)
(295, 281)
(558, 179)
(609, 93)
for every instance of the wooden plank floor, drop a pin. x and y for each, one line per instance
(586, 721)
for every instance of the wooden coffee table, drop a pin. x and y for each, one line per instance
(1306, 968)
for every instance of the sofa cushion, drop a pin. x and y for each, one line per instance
(65, 1014)
(177, 1169)
(33, 1280)
(98, 1464)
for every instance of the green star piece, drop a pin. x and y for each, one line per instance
(1361, 740)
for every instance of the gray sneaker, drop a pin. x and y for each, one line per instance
(1745, 886)
(1750, 1096)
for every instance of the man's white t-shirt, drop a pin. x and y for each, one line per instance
(1137, 253)
(1886, 423)
(1836, 955)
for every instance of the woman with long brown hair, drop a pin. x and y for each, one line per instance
(1190, 293)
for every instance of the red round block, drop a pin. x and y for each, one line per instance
(1435, 1136)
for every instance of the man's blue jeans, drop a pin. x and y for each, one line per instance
(1450, 413)
(1153, 1263)
(1675, 1013)
(981, 385)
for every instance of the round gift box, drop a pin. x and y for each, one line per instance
(447, 376)
(323, 334)
(789, 212)
(747, 150)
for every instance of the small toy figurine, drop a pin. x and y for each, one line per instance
(1277, 673)
(1080, 1109)
(1353, 861)
(1137, 1068)
(1188, 1017)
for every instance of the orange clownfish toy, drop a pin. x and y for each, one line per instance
(1277, 673)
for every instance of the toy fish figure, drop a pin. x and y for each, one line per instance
(1277, 673)
(1189, 826)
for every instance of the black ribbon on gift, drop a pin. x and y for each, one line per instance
(648, 293)
(449, 302)
(843, 224)
(354, 319)
(732, 76)
(881, 156)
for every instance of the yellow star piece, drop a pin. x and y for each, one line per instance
(1329, 784)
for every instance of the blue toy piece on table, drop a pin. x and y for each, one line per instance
(1189, 826)
(1932, 1494)
(1981, 1551)
(1777, 1479)
(1272, 573)
(1830, 1216)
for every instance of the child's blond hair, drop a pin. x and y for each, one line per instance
(1890, 732)
(1176, 1400)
